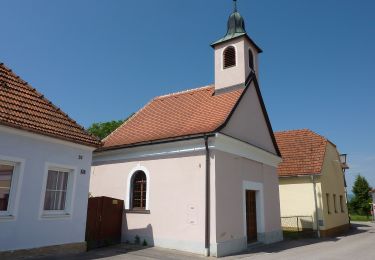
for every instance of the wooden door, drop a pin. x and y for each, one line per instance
(251, 216)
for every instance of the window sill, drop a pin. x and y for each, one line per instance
(7, 217)
(54, 216)
(137, 211)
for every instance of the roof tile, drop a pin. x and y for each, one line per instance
(21, 106)
(191, 112)
(302, 152)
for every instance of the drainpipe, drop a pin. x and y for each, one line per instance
(346, 196)
(207, 220)
(316, 205)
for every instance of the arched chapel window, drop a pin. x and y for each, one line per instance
(139, 185)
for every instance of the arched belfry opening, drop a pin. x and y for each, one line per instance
(229, 57)
(251, 60)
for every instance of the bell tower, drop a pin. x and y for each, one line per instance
(236, 55)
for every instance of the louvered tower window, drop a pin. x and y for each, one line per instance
(139, 185)
(251, 60)
(229, 57)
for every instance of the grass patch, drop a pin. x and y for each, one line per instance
(360, 218)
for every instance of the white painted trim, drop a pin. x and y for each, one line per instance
(70, 193)
(129, 188)
(15, 186)
(44, 138)
(234, 146)
(219, 142)
(258, 187)
(147, 151)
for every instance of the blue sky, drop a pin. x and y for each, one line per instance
(103, 60)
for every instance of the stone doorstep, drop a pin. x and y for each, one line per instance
(55, 250)
(255, 245)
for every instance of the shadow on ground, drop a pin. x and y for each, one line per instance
(356, 228)
(103, 252)
(127, 251)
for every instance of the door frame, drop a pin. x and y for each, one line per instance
(259, 197)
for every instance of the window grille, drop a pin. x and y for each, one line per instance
(229, 57)
(139, 190)
(251, 60)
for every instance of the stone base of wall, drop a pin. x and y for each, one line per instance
(270, 237)
(228, 247)
(239, 245)
(44, 251)
(336, 231)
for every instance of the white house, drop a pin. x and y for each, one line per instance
(198, 169)
(45, 160)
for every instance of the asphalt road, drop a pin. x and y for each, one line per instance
(358, 244)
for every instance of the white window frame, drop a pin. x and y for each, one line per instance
(129, 189)
(68, 211)
(15, 186)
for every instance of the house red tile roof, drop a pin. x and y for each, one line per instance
(22, 107)
(302, 152)
(192, 112)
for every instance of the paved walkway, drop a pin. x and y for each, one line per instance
(358, 244)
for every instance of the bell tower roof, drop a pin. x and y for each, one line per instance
(236, 27)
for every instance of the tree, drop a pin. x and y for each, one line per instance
(102, 130)
(360, 203)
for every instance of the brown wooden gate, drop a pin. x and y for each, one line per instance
(104, 219)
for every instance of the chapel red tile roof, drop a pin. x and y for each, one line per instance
(192, 112)
(302, 152)
(22, 107)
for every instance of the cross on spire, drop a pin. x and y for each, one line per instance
(235, 5)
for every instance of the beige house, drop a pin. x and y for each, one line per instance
(198, 169)
(312, 183)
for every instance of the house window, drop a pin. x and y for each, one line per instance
(342, 203)
(229, 57)
(56, 190)
(6, 177)
(251, 60)
(139, 190)
(328, 207)
(334, 203)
